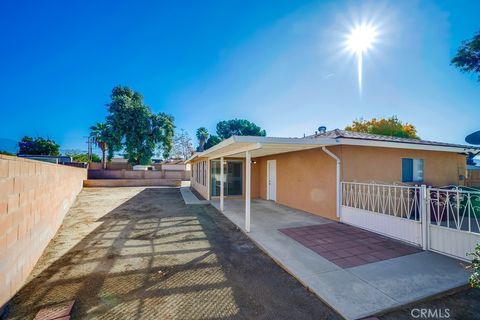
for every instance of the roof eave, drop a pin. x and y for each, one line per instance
(256, 142)
(406, 145)
(193, 156)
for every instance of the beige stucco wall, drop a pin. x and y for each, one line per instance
(473, 178)
(305, 181)
(34, 198)
(365, 164)
(203, 190)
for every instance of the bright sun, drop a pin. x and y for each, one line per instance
(361, 38)
(359, 41)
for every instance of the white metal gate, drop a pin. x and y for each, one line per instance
(453, 221)
(438, 219)
(390, 210)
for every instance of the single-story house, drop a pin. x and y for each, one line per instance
(306, 173)
(174, 165)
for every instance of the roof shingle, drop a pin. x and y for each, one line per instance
(337, 133)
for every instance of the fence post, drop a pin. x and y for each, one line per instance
(423, 215)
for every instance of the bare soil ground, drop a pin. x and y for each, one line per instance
(141, 253)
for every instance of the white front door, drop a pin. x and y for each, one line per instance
(272, 180)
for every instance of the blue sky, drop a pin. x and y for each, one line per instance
(277, 63)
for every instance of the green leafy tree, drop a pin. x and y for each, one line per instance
(467, 58)
(38, 146)
(136, 129)
(238, 127)
(226, 129)
(202, 136)
(387, 127)
(79, 156)
(212, 140)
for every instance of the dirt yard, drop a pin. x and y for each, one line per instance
(141, 253)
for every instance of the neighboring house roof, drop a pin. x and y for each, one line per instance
(236, 146)
(337, 133)
(176, 161)
(119, 160)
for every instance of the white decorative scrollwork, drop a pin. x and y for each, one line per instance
(395, 200)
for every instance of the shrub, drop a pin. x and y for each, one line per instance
(475, 277)
(82, 157)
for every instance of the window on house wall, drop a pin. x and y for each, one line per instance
(412, 170)
(204, 173)
(233, 178)
(201, 173)
(198, 173)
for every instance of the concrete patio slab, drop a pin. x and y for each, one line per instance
(271, 215)
(349, 295)
(353, 292)
(416, 276)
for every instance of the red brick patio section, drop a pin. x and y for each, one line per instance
(348, 246)
(56, 312)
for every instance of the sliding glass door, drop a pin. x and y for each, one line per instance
(233, 171)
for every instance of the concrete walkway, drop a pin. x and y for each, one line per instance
(353, 292)
(190, 198)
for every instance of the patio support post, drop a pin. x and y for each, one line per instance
(222, 179)
(208, 177)
(423, 216)
(248, 164)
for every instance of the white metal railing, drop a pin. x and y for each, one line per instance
(445, 219)
(394, 200)
(454, 208)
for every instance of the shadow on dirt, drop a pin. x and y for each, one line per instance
(153, 257)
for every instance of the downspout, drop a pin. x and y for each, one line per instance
(339, 190)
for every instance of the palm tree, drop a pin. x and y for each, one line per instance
(100, 134)
(202, 136)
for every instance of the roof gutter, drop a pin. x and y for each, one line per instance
(406, 145)
(338, 181)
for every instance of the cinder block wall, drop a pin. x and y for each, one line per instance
(141, 174)
(34, 198)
